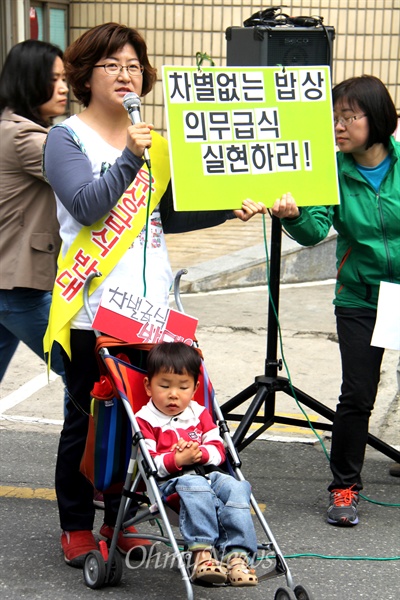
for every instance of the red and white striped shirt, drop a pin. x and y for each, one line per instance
(162, 431)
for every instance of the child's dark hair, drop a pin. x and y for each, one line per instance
(173, 357)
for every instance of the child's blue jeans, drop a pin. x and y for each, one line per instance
(214, 511)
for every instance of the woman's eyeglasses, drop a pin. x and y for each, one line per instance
(346, 121)
(134, 70)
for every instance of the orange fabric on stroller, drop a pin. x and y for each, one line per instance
(109, 439)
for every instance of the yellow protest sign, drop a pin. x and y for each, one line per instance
(250, 132)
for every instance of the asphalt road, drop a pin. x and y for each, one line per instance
(289, 481)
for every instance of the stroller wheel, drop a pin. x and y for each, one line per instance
(302, 594)
(94, 570)
(284, 593)
(116, 570)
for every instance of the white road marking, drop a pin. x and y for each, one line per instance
(26, 390)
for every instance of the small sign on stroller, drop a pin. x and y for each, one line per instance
(135, 319)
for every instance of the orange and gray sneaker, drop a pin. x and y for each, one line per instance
(76, 545)
(343, 506)
(136, 547)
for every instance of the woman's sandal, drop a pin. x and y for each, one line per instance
(240, 574)
(209, 571)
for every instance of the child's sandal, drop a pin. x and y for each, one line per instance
(209, 571)
(240, 574)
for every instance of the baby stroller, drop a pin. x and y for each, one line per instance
(124, 366)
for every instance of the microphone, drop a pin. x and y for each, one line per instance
(131, 102)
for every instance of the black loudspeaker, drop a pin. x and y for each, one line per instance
(287, 46)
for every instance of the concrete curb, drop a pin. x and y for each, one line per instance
(247, 267)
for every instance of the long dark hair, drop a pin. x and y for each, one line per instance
(369, 94)
(26, 81)
(103, 40)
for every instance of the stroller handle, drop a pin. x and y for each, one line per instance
(86, 288)
(177, 293)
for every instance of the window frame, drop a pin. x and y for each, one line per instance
(46, 6)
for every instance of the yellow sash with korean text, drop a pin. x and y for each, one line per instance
(99, 247)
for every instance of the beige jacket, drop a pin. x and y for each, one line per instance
(29, 240)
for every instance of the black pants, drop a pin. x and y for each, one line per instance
(361, 365)
(74, 491)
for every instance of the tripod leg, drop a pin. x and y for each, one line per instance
(326, 412)
(244, 395)
(249, 416)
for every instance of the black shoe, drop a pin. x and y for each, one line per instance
(342, 509)
(394, 470)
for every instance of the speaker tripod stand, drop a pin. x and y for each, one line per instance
(265, 387)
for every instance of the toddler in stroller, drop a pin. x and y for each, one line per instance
(185, 444)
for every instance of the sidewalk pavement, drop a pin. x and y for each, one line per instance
(234, 255)
(232, 330)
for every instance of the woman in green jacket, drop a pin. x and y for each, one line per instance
(367, 222)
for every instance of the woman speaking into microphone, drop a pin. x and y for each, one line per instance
(91, 160)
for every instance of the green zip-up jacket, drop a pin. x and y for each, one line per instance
(368, 228)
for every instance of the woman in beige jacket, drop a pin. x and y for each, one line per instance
(32, 92)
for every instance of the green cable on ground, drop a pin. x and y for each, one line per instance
(388, 504)
(323, 556)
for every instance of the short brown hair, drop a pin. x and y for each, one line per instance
(103, 40)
